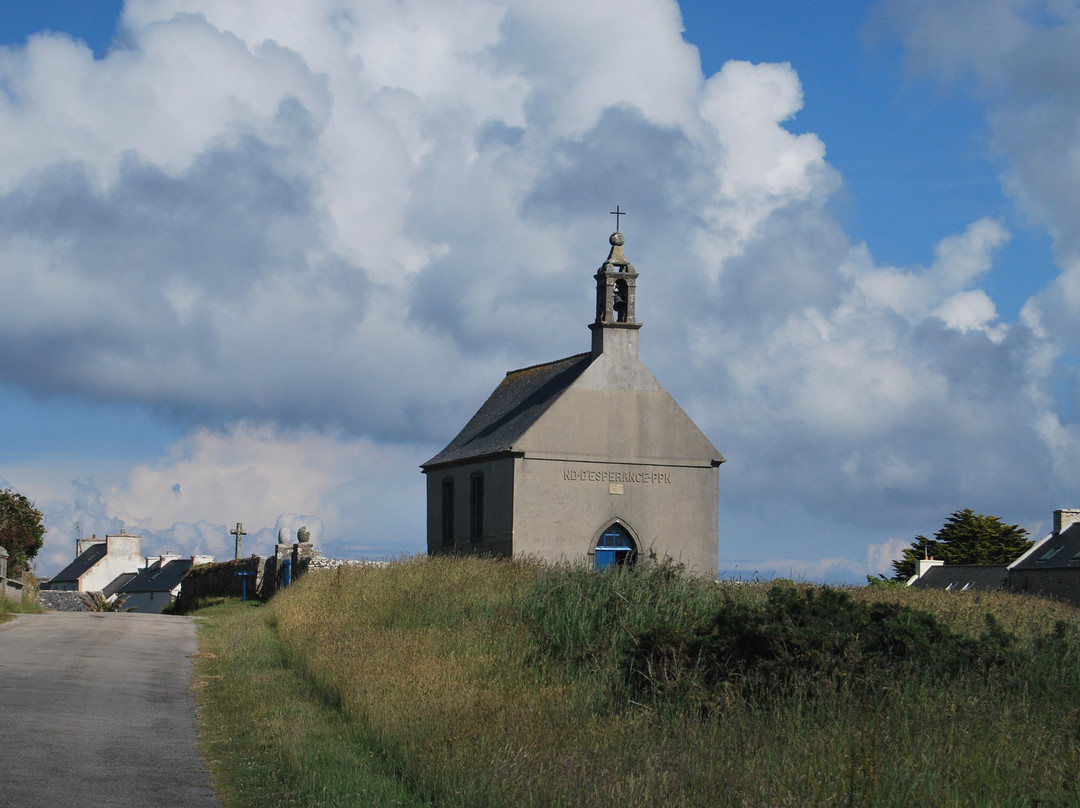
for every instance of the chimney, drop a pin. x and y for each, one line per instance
(82, 545)
(923, 565)
(1064, 518)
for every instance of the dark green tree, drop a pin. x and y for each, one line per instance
(22, 530)
(966, 538)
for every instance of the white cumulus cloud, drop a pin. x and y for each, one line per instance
(319, 235)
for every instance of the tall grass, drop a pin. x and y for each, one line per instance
(269, 737)
(27, 605)
(496, 683)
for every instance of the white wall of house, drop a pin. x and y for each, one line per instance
(123, 554)
(149, 602)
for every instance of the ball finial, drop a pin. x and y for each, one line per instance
(617, 240)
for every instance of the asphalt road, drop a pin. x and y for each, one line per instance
(97, 710)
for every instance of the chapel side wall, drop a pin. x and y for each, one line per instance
(497, 537)
(561, 505)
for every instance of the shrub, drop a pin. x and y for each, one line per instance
(802, 638)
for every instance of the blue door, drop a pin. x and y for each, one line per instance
(615, 548)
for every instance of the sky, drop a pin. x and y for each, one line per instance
(260, 260)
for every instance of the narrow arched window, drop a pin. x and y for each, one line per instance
(448, 512)
(476, 506)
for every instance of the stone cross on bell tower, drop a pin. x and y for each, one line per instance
(615, 328)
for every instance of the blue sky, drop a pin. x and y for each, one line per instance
(264, 284)
(94, 23)
(912, 152)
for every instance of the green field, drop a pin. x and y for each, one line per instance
(467, 682)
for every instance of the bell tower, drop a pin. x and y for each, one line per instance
(615, 328)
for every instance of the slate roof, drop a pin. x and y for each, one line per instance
(1056, 551)
(964, 577)
(117, 584)
(158, 578)
(517, 403)
(81, 565)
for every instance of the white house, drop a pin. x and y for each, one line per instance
(158, 583)
(101, 565)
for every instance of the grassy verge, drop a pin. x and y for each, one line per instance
(268, 736)
(10, 608)
(464, 682)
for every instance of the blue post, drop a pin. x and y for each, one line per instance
(243, 576)
(286, 573)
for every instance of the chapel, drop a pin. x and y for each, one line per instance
(584, 459)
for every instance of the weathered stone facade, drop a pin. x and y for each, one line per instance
(1059, 584)
(587, 458)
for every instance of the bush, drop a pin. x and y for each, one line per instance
(802, 638)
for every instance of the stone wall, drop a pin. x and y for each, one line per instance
(57, 600)
(10, 589)
(1061, 584)
(221, 580)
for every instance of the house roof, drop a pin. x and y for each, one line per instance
(963, 577)
(1056, 551)
(517, 403)
(117, 583)
(158, 578)
(81, 565)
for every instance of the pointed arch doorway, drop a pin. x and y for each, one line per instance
(615, 547)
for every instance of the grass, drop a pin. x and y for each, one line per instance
(268, 736)
(467, 682)
(10, 608)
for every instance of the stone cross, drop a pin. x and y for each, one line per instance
(238, 532)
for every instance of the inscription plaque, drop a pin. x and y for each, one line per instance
(619, 477)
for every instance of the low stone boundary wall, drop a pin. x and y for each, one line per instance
(60, 600)
(320, 563)
(221, 580)
(11, 589)
(266, 575)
